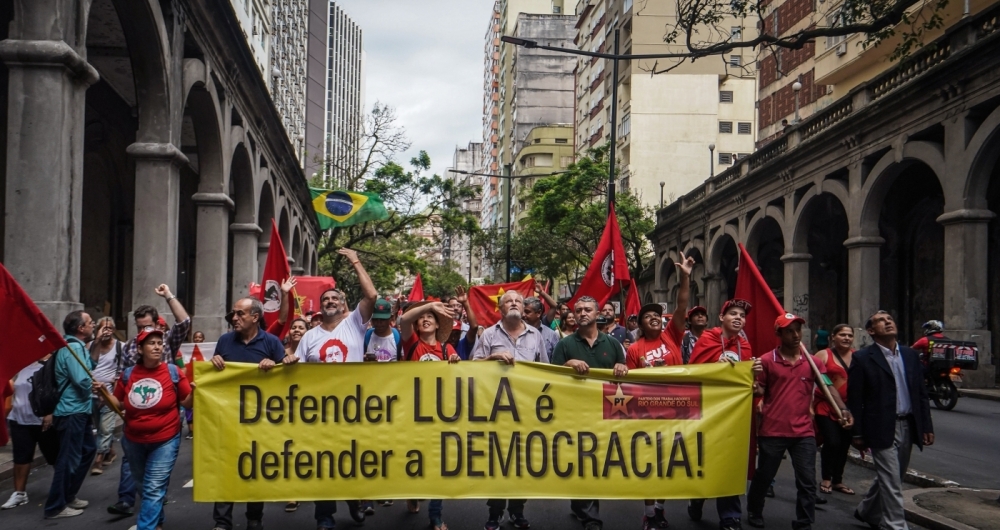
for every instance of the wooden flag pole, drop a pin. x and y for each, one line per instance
(823, 386)
(103, 391)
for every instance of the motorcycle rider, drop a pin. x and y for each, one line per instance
(933, 329)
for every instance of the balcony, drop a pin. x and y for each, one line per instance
(596, 137)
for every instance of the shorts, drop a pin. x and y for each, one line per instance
(24, 438)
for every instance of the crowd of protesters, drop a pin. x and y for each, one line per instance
(873, 398)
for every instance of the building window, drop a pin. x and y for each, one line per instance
(744, 127)
(626, 5)
(726, 127)
(725, 96)
(725, 159)
(736, 33)
(735, 60)
(626, 126)
(565, 161)
(562, 140)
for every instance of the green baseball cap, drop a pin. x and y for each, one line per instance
(383, 309)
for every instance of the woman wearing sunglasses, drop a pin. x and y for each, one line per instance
(151, 394)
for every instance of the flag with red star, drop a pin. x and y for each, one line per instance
(485, 299)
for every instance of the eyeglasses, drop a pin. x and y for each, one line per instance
(148, 329)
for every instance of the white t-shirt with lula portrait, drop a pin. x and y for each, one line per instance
(345, 344)
(384, 348)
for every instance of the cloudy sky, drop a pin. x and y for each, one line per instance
(425, 58)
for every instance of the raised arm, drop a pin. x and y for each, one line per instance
(411, 316)
(286, 300)
(463, 297)
(553, 305)
(180, 314)
(368, 293)
(683, 292)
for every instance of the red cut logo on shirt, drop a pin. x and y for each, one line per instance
(638, 401)
(333, 351)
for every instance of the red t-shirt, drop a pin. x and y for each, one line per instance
(788, 394)
(151, 414)
(424, 351)
(838, 376)
(664, 350)
(711, 348)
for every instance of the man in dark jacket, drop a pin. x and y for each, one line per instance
(891, 413)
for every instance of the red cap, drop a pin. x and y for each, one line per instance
(146, 332)
(316, 316)
(160, 321)
(783, 321)
(696, 309)
(736, 302)
(457, 325)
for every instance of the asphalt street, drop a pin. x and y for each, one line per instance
(965, 444)
(183, 513)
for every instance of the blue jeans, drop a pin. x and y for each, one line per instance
(729, 509)
(434, 510)
(151, 465)
(126, 486)
(77, 449)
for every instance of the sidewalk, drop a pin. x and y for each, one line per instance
(953, 508)
(7, 462)
(992, 394)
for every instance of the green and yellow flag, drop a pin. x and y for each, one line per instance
(346, 208)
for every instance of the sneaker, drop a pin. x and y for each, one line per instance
(492, 524)
(16, 499)
(78, 504)
(291, 507)
(190, 436)
(659, 519)
(385, 504)
(121, 508)
(357, 513)
(648, 523)
(519, 521)
(66, 512)
(755, 520)
(694, 511)
(369, 508)
(255, 525)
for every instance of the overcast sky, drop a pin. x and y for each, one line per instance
(425, 58)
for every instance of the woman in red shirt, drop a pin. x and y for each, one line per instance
(836, 439)
(152, 393)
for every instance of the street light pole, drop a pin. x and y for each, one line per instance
(506, 173)
(796, 87)
(662, 184)
(614, 123)
(711, 160)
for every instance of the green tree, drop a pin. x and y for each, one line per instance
(440, 280)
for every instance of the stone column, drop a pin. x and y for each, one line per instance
(157, 207)
(966, 287)
(245, 250)
(46, 97)
(797, 290)
(863, 254)
(713, 297)
(210, 267)
(262, 249)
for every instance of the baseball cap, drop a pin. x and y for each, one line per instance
(145, 332)
(696, 309)
(383, 309)
(655, 308)
(736, 302)
(160, 321)
(316, 316)
(783, 321)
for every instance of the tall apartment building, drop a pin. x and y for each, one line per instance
(497, 66)
(289, 19)
(831, 67)
(255, 22)
(458, 247)
(668, 121)
(335, 111)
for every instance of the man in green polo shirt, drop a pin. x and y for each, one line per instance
(587, 348)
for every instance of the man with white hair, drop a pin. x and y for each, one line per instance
(510, 340)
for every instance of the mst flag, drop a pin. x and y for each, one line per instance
(276, 270)
(308, 289)
(485, 299)
(759, 326)
(346, 208)
(632, 304)
(28, 335)
(417, 292)
(608, 268)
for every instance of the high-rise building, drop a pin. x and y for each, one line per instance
(673, 127)
(255, 22)
(335, 113)
(458, 246)
(289, 19)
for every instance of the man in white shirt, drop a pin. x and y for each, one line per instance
(106, 352)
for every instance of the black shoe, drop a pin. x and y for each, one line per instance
(121, 508)
(254, 525)
(659, 520)
(770, 492)
(822, 500)
(369, 508)
(755, 520)
(694, 511)
(857, 515)
(519, 521)
(357, 513)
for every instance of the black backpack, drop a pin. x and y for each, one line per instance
(45, 391)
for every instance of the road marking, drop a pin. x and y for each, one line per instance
(189, 484)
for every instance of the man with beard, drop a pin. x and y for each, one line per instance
(340, 339)
(581, 351)
(534, 317)
(611, 328)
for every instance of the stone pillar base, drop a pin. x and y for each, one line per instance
(56, 311)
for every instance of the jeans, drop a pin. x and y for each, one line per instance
(434, 510)
(151, 465)
(76, 452)
(836, 442)
(126, 485)
(514, 506)
(104, 420)
(587, 511)
(803, 454)
(729, 508)
(324, 514)
(222, 512)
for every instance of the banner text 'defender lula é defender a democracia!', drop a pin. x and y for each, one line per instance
(469, 430)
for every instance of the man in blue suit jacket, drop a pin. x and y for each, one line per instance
(886, 393)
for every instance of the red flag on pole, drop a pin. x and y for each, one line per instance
(485, 299)
(276, 271)
(759, 326)
(28, 334)
(417, 292)
(608, 268)
(632, 304)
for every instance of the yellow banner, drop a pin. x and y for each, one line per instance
(469, 430)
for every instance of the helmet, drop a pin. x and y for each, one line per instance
(933, 326)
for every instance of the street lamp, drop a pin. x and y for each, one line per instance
(796, 87)
(615, 58)
(662, 184)
(711, 160)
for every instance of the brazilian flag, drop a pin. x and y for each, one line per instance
(345, 208)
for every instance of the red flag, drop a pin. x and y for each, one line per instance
(632, 304)
(417, 293)
(609, 267)
(276, 270)
(545, 305)
(765, 309)
(28, 335)
(485, 299)
(308, 289)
